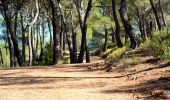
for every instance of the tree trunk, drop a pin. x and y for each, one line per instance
(83, 26)
(70, 47)
(6, 53)
(74, 42)
(151, 27)
(117, 32)
(82, 49)
(64, 41)
(106, 39)
(32, 55)
(87, 54)
(148, 31)
(141, 23)
(74, 39)
(156, 15)
(12, 38)
(13, 42)
(113, 35)
(30, 46)
(56, 33)
(15, 32)
(33, 46)
(162, 13)
(41, 57)
(37, 38)
(128, 28)
(61, 39)
(2, 61)
(11, 51)
(23, 40)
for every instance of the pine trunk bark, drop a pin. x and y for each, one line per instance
(11, 51)
(74, 42)
(162, 13)
(70, 47)
(1, 57)
(12, 40)
(128, 27)
(30, 46)
(106, 39)
(117, 32)
(31, 36)
(37, 38)
(64, 41)
(141, 23)
(87, 54)
(61, 38)
(113, 35)
(41, 57)
(156, 15)
(74, 39)
(13, 45)
(23, 41)
(83, 26)
(56, 33)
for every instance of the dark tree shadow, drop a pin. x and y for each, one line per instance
(146, 88)
(60, 82)
(28, 80)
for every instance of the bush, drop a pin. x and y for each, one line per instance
(48, 55)
(159, 45)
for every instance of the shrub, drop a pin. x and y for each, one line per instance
(159, 45)
(48, 55)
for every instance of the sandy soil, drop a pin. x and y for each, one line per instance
(77, 82)
(64, 82)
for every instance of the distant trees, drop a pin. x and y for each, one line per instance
(29, 23)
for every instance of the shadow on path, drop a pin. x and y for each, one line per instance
(146, 88)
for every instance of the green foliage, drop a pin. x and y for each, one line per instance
(107, 52)
(116, 53)
(48, 55)
(159, 45)
(6, 58)
(66, 60)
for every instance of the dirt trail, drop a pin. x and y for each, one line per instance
(64, 82)
(77, 82)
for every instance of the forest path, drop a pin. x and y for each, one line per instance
(83, 82)
(63, 82)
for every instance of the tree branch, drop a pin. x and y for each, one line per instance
(37, 14)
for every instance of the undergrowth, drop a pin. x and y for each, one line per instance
(159, 45)
(116, 53)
